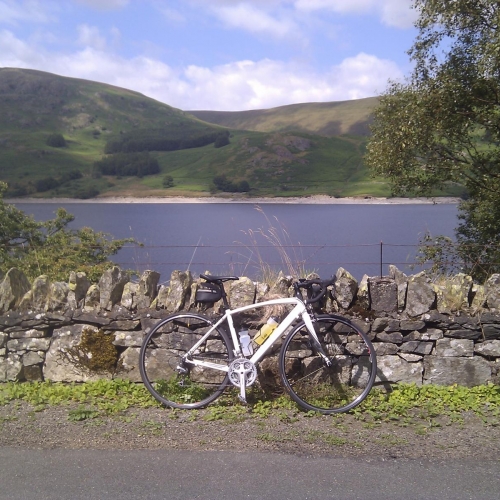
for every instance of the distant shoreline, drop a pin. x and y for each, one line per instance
(306, 200)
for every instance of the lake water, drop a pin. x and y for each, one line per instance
(224, 237)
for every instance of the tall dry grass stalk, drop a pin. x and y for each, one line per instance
(276, 236)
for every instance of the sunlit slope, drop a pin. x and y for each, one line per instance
(323, 118)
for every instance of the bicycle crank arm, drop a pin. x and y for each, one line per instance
(242, 395)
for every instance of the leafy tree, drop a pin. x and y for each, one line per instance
(222, 139)
(56, 141)
(243, 187)
(168, 181)
(442, 125)
(50, 247)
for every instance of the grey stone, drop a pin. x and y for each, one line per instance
(3, 339)
(78, 285)
(449, 347)
(385, 348)
(420, 297)
(346, 287)
(469, 372)
(491, 332)
(394, 369)
(57, 299)
(128, 339)
(488, 348)
(402, 283)
(395, 337)
(380, 324)
(492, 291)
(478, 297)
(242, 292)
(363, 293)
(417, 347)
(393, 325)
(31, 333)
(410, 325)
(12, 289)
(129, 362)
(57, 366)
(383, 295)
(92, 298)
(111, 287)
(33, 358)
(409, 357)
(13, 368)
(123, 324)
(129, 295)
(462, 334)
(39, 293)
(148, 289)
(177, 294)
(28, 344)
(428, 334)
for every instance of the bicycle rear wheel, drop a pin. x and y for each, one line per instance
(309, 379)
(175, 381)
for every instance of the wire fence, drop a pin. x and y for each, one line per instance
(370, 258)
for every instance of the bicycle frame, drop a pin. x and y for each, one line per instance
(300, 310)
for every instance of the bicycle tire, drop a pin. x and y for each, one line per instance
(328, 389)
(179, 384)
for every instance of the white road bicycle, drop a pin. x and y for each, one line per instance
(326, 363)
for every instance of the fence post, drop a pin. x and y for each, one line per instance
(381, 257)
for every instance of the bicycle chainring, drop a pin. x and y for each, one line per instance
(242, 369)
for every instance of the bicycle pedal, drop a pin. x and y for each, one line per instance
(243, 399)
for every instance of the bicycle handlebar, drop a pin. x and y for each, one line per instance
(308, 285)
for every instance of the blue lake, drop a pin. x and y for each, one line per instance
(224, 237)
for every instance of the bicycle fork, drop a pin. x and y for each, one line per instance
(309, 322)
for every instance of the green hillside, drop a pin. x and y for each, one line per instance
(66, 137)
(328, 119)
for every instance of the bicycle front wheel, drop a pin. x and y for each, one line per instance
(179, 380)
(334, 378)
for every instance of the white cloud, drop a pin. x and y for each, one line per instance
(235, 86)
(89, 36)
(397, 13)
(104, 4)
(249, 18)
(13, 12)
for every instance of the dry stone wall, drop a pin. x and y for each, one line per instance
(424, 330)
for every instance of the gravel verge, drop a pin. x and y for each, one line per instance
(284, 431)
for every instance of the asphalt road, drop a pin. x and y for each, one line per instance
(167, 474)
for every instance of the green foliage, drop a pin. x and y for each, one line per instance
(50, 247)
(222, 183)
(108, 396)
(168, 181)
(222, 139)
(127, 164)
(443, 125)
(56, 141)
(162, 140)
(82, 413)
(95, 352)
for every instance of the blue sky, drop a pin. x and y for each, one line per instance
(223, 55)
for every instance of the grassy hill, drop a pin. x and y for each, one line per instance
(295, 150)
(327, 119)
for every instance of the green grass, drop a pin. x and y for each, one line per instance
(422, 407)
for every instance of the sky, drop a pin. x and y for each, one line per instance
(224, 55)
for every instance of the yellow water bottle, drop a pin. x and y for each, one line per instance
(265, 331)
